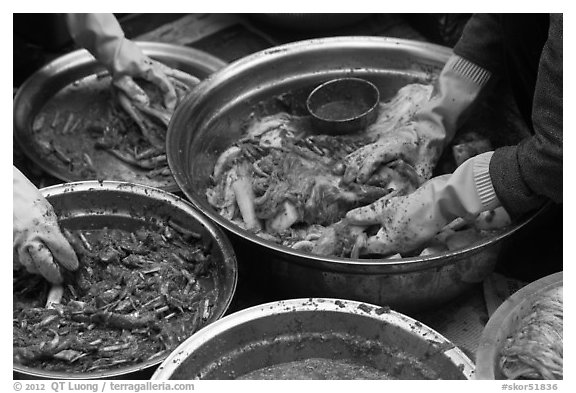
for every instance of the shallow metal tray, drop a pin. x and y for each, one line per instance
(44, 84)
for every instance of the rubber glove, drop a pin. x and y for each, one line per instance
(407, 222)
(102, 36)
(38, 243)
(421, 141)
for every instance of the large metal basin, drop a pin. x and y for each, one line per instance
(506, 321)
(300, 329)
(209, 120)
(93, 205)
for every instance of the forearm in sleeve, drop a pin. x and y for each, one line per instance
(481, 42)
(102, 35)
(458, 87)
(527, 175)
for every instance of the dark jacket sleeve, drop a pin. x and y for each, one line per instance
(481, 42)
(526, 175)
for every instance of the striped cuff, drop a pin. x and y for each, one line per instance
(469, 70)
(483, 181)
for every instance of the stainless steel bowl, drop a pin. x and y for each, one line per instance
(210, 119)
(92, 205)
(41, 87)
(300, 329)
(505, 321)
(343, 105)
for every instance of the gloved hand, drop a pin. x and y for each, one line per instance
(102, 36)
(421, 141)
(38, 243)
(402, 144)
(410, 221)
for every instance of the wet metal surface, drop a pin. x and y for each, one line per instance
(299, 329)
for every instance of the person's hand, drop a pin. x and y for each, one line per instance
(38, 243)
(102, 35)
(406, 143)
(129, 62)
(421, 141)
(409, 221)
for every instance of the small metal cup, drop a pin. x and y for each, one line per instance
(344, 105)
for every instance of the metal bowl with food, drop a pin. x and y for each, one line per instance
(65, 115)
(538, 353)
(214, 117)
(316, 338)
(128, 305)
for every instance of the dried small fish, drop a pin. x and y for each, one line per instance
(77, 124)
(123, 156)
(179, 259)
(250, 152)
(69, 355)
(204, 308)
(60, 154)
(149, 163)
(125, 303)
(88, 161)
(55, 120)
(184, 231)
(123, 321)
(68, 123)
(38, 122)
(147, 153)
(158, 354)
(309, 142)
(85, 241)
(152, 270)
(259, 170)
(161, 309)
(151, 302)
(46, 321)
(117, 347)
(72, 291)
(96, 342)
(162, 171)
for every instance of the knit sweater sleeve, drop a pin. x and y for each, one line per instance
(528, 174)
(481, 42)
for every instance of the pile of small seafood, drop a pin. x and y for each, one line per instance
(284, 182)
(88, 121)
(135, 297)
(535, 349)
